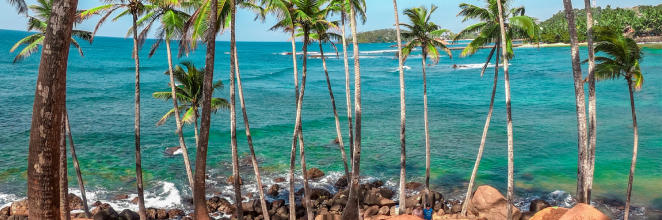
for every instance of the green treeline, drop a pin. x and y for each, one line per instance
(638, 21)
(387, 36)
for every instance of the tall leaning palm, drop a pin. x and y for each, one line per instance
(424, 34)
(403, 149)
(38, 22)
(172, 21)
(580, 102)
(509, 118)
(592, 116)
(518, 26)
(322, 34)
(622, 60)
(135, 8)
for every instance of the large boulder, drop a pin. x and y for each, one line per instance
(314, 173)
(19, 208)
(273, 190)
(216, 203)
(372, 198)
(18, 217)
(105, 212)
(5, 211)
(583, 211)
(230, 180)
(373, 210)
(320, 193)
(491, 204)
(127, 214)
(550, 213)
(377, 184)
(75, 202)
(279, 179)
(538, 205)
(413, 185)
(386, 193)
(341, 183)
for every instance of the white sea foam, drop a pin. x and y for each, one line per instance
(7, 199)
(177, 152)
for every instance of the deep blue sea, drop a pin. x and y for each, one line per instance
(100, 101)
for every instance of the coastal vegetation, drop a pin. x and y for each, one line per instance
(192, 90)
(639, 21)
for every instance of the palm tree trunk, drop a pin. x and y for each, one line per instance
(335, 112)
(427, 131)
(46, 127)
(484, 138)
(580, 102)
(293, 153)
(256, 169)
(79, 176)
(351, 211)
(403, 149)
(634, 151)
(195, 125)
(65, 213)
(348, 93)
(178, 120)
(592, 115)
(504, 52)
(199, 200)
(139, 170)
(233, 114)
(299, 129)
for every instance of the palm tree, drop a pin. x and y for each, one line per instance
(519, 26)
(592, 117)
(65, 213)
(135, 8)
(20, 5)
(189, 93)
(623, 59)
(359, 8)
(424, 34)
(580, 100)
(308, 14)
(46, 131)
(81, 184)
(509, 119)
(38, 23)
(351, 209)
(403, 149)
(172, 22)
(322, 34)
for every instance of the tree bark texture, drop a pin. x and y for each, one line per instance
(634, 151)
(79, 176)
(348, 92)
(403, 118)
(233, 114)
(579, 99)
(335, 113)
(139, 170)
(199, 201)
(65, 213)
(48, 111)
(592, 115)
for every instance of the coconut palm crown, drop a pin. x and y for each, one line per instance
(424, 34)
(622, 60)
(518, 25)
(189, 93)
(38, 22)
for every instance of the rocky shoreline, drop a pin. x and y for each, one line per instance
(375, 199)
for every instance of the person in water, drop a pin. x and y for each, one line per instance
(427, 212)
(454, 66)
(418, 212)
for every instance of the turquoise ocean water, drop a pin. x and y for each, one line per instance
(100, 104)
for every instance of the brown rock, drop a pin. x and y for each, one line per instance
(373, 210)
(377, 184)
(214, 203)
(230, 180)
(491, 204)
(538, 205)
(279, 179)
(319, 193)
(5, 211)
(384, 210)
(327, 217)
(19, 208)
(583, 211)
(249, 195)
(273, 190)
(386, 193)
(120, 197)
(97, 203)
(527, 215)
(135, 200)
(341, 183)
(551, 213)
(277, 203)
(127, 214)
(75, 202)
(314, 173)
(161, 214)
(413, 185)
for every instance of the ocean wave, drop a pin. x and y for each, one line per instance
(7, 199)
(397, 69)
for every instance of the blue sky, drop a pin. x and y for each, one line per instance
(380, 15)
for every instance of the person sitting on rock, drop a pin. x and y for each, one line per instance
(418, 212)
(427, 212)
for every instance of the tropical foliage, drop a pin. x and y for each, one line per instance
(638, 21)
(42, 11)
(189, 93)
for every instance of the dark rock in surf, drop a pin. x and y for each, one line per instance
(75, 202)
(413, 185)
(279, 179)
(135, 200)
(341, 183)
(129, 215)
(377, 184)
(538, 205)
(273, 190)
(230, 180)
(314, 173)
(171, 151)
(104, 212)
(120, 197)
